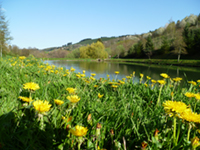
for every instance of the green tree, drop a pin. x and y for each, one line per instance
(149, 47)
(120, 49)
(179, 47)
(138, 48)
(165, 46)
(4, 32)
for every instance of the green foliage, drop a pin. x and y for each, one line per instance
(165, 46)
(149, 47)
(95, 50)
(74, 54)
(138, 48)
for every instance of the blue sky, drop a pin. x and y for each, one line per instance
(49, 23)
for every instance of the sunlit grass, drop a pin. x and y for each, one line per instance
(48, 107)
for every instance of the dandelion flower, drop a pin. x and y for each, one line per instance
(58, 102)
(22, 57)
(71, 90)
(153, 81)
(192, 82)
(73, 98)
(100, 96)
(141, 75)
(164, 75)
(189, 94)
(177, 79)
(161, 81)
(25, 99)
(41, 106)
(114, 86)
(116, 72)
(93, 74)
(31, 86)
(198, 81)
(83, 71)
(72, 69)
(79, 131)
(148, 77)
(172, 107)
(190, 116)
(197, 96)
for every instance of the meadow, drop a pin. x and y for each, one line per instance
(47, 107)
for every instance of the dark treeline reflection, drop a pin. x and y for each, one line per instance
(104, 68)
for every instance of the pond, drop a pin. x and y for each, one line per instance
(102, 69)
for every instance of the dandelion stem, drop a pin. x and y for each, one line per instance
(188, 134)
(175, 142)
(178, 133)
(158, 101)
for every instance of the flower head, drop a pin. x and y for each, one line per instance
(22, 57)
(25, 99)
(31, 86)
(153, 81)
(99, 95)
(41, 106)
(161, 82)
(58, 102)
(71, 90)
(164, 75)
(192, 82)
(189, 94)
(141, 75)
(73, 98)
(93, 74)
(79, 131)
(116, 72)
(172, 107)
(195, 142)
(177, 79)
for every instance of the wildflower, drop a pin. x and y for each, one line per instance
(79, 131)
(144, 145)
(100, 96)
(164, 75)
(71, 90)
(172, 93)
(195, 142)
(192, 82)
(72, 69)
(123, 79)
(77, 75)
(41, 106)
(82, 75)
(177, 79)
(114, 86)
(31, 86)
(89, 117)
(58, 102)
(116, 72)
(197, 96)
(25, 99)
(108, 76)
(83, 71)
(148, 77)
(146, 85)
(63, 118)
(95, 86)
(92, 78)
(73, 98)
(198, 81)
(93, 74)
(128, 77)
(69, 119)
(141, 75)
(190, 116)
(133, 72)
(22, 57)
(172, 107)
(189, 94)
(162, 82)
(153, 81)
(121, 82)
(156, 134)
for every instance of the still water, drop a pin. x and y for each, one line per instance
(102, 69)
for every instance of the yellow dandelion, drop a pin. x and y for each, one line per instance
(177, 79)
(58, 102)
(128, 77)
(198, 81)
(153, 81)
(164, 75)
(25, 99)
(197, 96)
(148, 77)
(114, 86)
(31, 86)
(41, 106)
(189, 94)
(95, 86)
(116, 72)
(192, 82)
(172, 107)
(123, 79)
(162, 82)
(141, 75)
(22, 57)
(71, 90)
(73, 98)
(93, 74)
(195, 142)
(100, 96)
(83, 71)
(79, 131)
(72, 69)
(190, 116)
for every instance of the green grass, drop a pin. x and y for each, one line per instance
(129, 114)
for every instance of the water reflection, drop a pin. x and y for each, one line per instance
(104, 68)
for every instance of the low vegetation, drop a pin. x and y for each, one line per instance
(45, 107)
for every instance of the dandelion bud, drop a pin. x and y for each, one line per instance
(112, 132)
(98, 132)
(144, 145)
(156, 134)
(89, 119)
(195, 142)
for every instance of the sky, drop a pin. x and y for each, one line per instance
(51, 23)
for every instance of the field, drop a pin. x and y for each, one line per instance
(47, 107)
